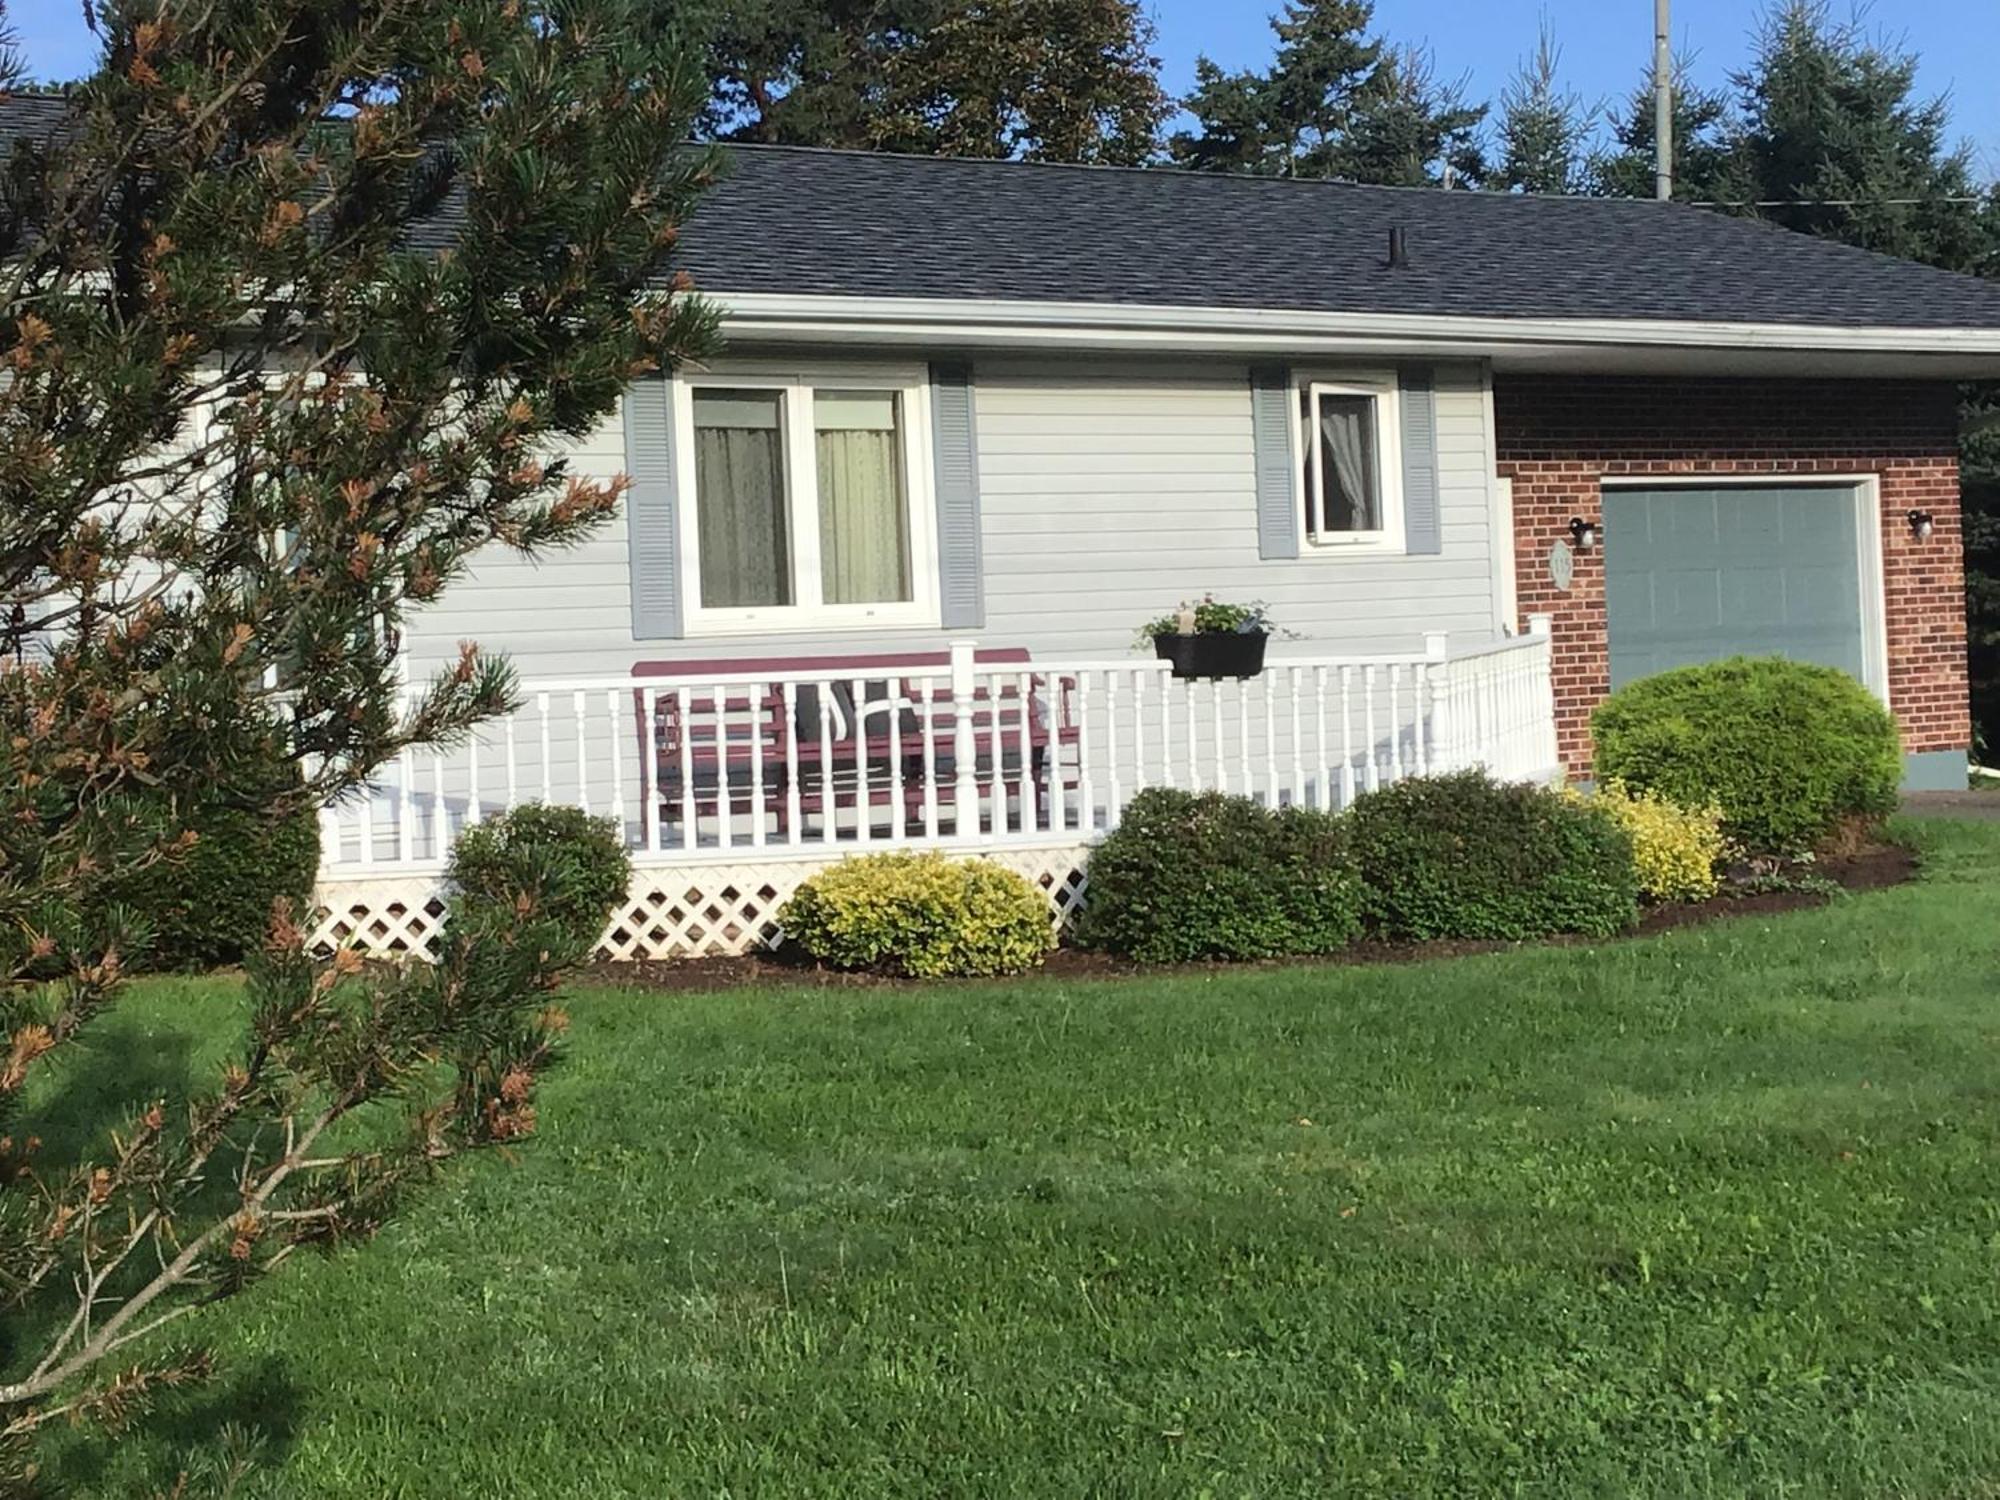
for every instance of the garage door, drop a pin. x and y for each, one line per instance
(1694, 575)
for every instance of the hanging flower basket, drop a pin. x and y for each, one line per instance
(1211, 639)
(1238, 654)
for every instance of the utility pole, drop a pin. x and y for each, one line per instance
(1663, 101)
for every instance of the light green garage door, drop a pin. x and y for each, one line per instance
(1694, 574)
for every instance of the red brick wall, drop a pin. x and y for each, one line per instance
(1560, 435)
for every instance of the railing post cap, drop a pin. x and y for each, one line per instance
(1541, 624)
(1437, 645)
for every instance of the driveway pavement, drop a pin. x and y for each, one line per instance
(1981, 806)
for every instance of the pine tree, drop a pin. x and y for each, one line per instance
(1544, 129)
(254, 415)
(1054, 80)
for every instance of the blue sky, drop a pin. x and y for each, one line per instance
(1605, 43)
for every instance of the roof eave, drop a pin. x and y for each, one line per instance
(1545, 343)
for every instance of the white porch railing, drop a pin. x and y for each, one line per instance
(982, 750)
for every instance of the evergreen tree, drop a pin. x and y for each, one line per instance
(1288, 120)
(1544, 129)
(1335, 102)
(1237, 126)
(1832, 130)
(253, 418)
(1705, 166)
(1409, 129)
(1053, 80)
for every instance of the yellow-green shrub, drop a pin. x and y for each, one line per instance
(1675, 849)
(922, 915)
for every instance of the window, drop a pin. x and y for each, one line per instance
(864, 523)
(1350, 463)
(739, 488)
(809, 500)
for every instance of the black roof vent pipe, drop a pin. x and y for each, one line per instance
(1399, 247)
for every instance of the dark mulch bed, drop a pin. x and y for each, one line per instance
(1874, 867)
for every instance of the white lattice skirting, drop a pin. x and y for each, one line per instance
(672, 911)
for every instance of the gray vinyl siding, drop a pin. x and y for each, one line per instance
(1109, 491)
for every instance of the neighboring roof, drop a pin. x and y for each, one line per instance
(803, 222)
(843, 223)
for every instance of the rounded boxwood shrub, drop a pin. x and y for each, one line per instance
(1189, 875)
(920, 915)
(212, 905)
(555, 864)
(1464, 856)
(1788, 750)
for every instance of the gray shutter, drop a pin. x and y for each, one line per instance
(1422, 531)
(955, 447)
(1272, 418)
(652, 522)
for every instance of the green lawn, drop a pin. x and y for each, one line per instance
(1714, 1214)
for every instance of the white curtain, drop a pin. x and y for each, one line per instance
(739, 467)
(863, 537)
(1347, 464)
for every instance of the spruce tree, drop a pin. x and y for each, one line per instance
(1544, 128)
(1705, 165)
(302, 300)
(1834, 140)
(1335, 102)
(1048, 80)
(1409, 128)
(1285, 121)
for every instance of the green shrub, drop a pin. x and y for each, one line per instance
(553, 864)
(1464, 856)
(1190, 875)
(920, 915)
(212, 905)
(1788, 750)
(1677, 850)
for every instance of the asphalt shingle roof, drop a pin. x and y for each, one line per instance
(849, 223)
(853, 224)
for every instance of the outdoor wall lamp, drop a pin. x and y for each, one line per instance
(1583, 532)
(1922, 524)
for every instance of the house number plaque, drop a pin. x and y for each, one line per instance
(1562, 565)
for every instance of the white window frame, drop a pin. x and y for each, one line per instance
(809, 611)
(1386, 392)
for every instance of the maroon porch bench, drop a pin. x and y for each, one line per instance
(859, 738)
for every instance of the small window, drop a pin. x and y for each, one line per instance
(1344, 498)
(810, 500)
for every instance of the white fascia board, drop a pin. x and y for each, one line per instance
(1020, 324)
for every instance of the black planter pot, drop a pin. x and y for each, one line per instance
(1230, 655)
